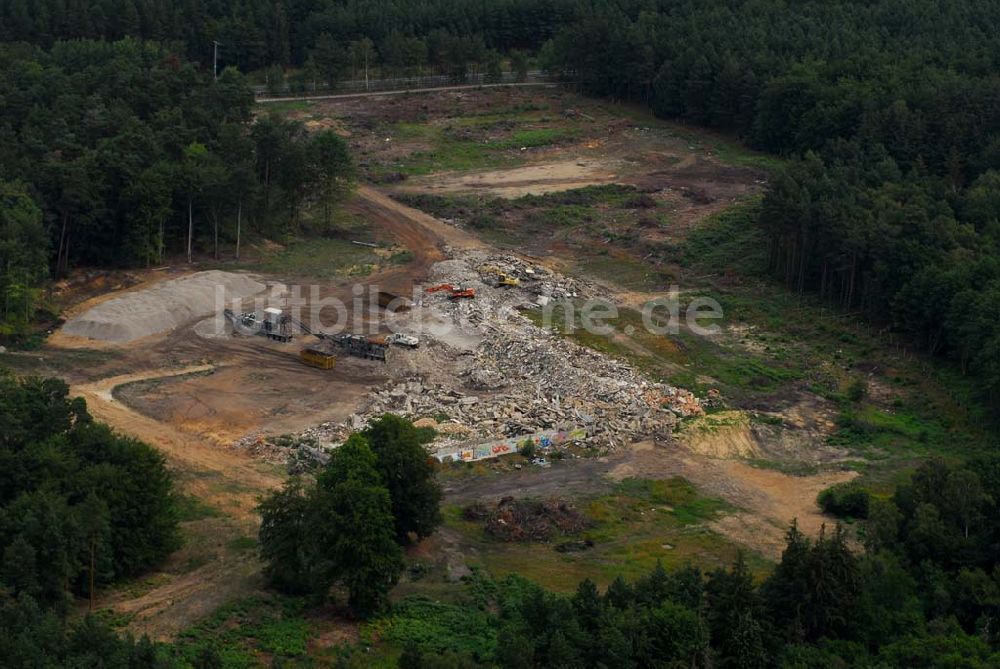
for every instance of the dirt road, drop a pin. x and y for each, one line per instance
(223, 478)
(407, 91)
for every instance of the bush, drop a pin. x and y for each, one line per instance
(857, 390)
(845, 500)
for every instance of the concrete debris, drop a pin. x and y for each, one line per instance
(519, 379)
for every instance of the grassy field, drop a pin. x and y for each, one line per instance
(637, 524)
(466, 145)
(319, 250)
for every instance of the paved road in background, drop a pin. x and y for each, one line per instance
(364, 94)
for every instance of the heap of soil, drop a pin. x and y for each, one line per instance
(527, 520)
(161, 307)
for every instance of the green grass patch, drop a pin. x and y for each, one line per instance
(319, 258)
(534, 138)
(244, 631)
(624, 271)
(242, 544)
(610, 194)
(737, 154)
(437, 627)
(877, 433)
(729, 240)
(401, 257)
(562, 216)
(451, 152)
(190, 508)
(686, 359)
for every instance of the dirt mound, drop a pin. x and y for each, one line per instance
(161, 307)
(527, 520)
(726, 434)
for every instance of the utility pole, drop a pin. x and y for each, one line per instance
(215, 59)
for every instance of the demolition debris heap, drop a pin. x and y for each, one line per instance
(518, 378)
(523, 378)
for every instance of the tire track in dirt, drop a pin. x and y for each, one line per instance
(215, 474)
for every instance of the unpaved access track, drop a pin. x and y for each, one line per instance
(213, 473)
(205, 465)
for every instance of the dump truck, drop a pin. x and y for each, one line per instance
(317, 358)
(461, 293)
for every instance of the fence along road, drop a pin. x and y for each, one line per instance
(398, 86)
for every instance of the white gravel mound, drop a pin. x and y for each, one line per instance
(162, 307)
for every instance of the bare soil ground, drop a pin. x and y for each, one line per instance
(509, 143)
(534, 179)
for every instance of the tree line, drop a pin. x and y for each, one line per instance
(122, 154)
(890, 113)
(80, 508)
(256, 34)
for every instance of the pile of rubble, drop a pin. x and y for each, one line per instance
(527, 520)
(520, 379)
(301, 452)
(525, 381)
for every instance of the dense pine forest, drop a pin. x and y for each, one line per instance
(890, 112)
(122, 153)
(80, 508)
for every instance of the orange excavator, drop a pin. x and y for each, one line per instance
(454, 292)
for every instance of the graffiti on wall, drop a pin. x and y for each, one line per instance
(511, 445)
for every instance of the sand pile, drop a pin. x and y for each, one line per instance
(161, 307)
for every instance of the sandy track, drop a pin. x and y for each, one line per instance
(532, 179)
(418, 231)
(214, 473)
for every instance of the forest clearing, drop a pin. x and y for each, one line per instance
(581, 190)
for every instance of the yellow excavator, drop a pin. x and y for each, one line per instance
(500, 278)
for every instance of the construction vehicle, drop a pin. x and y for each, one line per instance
(360, 346)
(454, 292)
(404, 340)
(317, 358)
(397, 339)
(499, 278)
(273, 324)
(506, 280)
